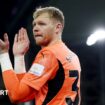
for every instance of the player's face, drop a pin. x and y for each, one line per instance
(43, 29)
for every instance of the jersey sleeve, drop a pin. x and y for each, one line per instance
(16, 88)
(43, 69)
(20, 76)
(28, 98)
(31, 96)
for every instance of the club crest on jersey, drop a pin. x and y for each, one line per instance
(37, 69)
(69, 58)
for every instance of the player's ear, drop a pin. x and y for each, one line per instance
(59, 27)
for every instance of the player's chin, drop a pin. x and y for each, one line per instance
(38, 42)
(41, 43)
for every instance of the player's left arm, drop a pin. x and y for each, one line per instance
(15, 87)
(17, 90)
(76, 72)
(79, 92)
(79, 81)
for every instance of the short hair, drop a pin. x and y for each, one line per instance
(53, 12)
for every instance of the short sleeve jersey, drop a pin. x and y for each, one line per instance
(55, 75)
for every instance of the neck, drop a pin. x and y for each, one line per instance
(54, 41)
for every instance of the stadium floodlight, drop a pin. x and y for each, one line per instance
(96, 36)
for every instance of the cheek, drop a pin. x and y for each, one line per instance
(50, 31)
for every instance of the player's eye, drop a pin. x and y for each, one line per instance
(41, 23)
(34, 24)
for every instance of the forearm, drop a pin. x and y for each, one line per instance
(5, 62)
(17, 90)
(15, 87)
(19, 66)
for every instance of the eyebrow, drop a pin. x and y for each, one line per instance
(38, 21)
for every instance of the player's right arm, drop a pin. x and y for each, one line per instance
(20, 47)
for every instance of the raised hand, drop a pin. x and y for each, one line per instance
(21, 43)
(4, 45)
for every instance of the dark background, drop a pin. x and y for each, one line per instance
(82, 18)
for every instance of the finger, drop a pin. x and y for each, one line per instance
(16, 38)
(19, 35)
(1, 43)
(6, 38)
(22, 33)
(25, 34)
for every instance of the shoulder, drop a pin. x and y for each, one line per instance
(46, 57)
(46, 52)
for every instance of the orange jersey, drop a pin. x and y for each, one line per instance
(57, 80)
(53, 79)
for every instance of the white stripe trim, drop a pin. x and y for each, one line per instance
(19, 65)
(5, 62)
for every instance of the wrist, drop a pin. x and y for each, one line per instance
(5, 62)
(19, 64)
(19, 55)
(3, 52)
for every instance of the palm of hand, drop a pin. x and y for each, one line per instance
(21, 42)
(21, 47)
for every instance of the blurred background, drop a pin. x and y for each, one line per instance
(82, 18)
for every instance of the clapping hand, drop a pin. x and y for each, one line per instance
(21, 43)
(4, 45)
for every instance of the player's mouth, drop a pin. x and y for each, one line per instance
(38, 36)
